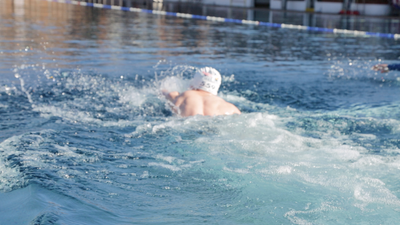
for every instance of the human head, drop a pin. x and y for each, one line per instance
(206, 79)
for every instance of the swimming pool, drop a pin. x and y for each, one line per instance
(86, 139)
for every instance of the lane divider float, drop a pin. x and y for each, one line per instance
(228, 20)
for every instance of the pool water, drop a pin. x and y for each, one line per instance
(86, 137)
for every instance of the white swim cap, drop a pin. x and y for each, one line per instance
(206, 79)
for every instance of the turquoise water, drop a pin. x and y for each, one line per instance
(86, 137)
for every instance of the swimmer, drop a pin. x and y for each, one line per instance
(202, 99)
(384, 68)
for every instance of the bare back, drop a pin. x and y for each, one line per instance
(198, 102)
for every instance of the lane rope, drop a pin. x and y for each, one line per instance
(228, 20)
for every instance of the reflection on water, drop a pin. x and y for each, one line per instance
(56, 25)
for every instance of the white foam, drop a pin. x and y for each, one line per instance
(157, 128)
(169, 159)
(145, 174)
(8, 90)
(10, 178)
(240, 171)
(174, 84)
(284, 170)
(263, 118)
(256, 145)
(368, 161)
(65, 113)
(232, 98)
(293, 215)
(345, 152)
(230, 78)
(262, 140)
(167, 166)
(132, 97)
(374, 192)
(140, 129)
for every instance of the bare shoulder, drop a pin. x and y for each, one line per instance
(233, 109)
(227, 108)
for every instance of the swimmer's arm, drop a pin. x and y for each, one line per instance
(171, 96)
(173, 99)
(383, 68)
(231, 109)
